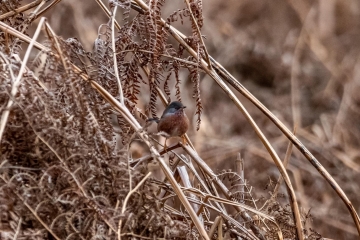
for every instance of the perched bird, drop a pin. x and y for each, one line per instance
(173, 122)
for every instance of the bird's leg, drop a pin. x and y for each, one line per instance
(165, 147)
(183, 139)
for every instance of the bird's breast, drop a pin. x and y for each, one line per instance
(173, 125)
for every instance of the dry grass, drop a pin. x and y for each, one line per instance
(76, 161)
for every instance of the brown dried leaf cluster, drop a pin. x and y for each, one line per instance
(66, 163)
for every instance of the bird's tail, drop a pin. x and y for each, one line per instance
(155, 119)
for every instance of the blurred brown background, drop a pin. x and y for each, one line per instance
(301, 60)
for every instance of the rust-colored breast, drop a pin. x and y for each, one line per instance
(174, 124)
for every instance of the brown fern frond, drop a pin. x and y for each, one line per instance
(178, 81)
(133, 75)
(195, 79)
(199, 14)
(71, 155)
(153, 84)
(160, 34)
(196, 9)
(126, 5)
(166, 85)
(180, 13)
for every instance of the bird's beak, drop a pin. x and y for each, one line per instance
(184, 107)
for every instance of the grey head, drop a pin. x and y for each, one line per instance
(173, 107)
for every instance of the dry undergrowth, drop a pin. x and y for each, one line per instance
(67, 169)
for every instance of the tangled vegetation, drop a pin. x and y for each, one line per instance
(75, 149)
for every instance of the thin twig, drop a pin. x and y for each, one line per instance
(33, 212)
(148, 158)
(239, 87)
(240, 106)
(239, 164)
(17, 229)
(8, 65)
(286, 162)
(47, 8)
(223, 189)
(184, 176)
(314, 162)
(107, 12)
(205, 197)
(214, 226)
(116, 70)
(20, 9)
(127, 199)
(137, 127)
(199, 33)
(168, 56)
(72, 174)
(164, 100)
(16, 83)
(220, 229)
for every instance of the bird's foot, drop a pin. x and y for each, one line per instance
(183, 139)
(165, 146)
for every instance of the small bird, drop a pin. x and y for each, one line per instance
(173, 122)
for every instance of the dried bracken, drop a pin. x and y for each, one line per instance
(75, 161)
